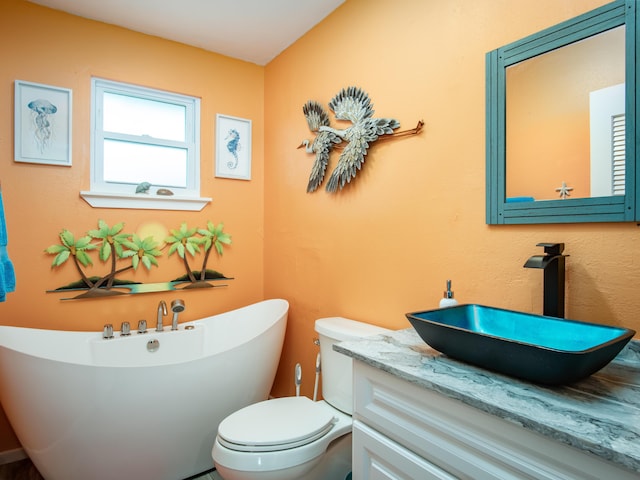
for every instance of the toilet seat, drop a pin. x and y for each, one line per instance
(283, 458)
(274, 425)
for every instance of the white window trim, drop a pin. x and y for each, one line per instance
(100, 196)
(604, 104)
(144, 202)
(618, 154)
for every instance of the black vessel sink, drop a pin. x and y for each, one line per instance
(540, 349)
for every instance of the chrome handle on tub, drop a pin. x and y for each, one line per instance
(142, 326)
(107, 332)
(125, 329)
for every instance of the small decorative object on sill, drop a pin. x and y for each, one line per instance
(564, 191)
(354, 105)
(143, 187)
(164, 191)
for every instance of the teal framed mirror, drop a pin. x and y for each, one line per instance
(561, 127)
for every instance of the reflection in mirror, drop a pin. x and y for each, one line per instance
(555, 150)
(561, 112)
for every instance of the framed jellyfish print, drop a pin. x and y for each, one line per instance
(42, 124)
(233, 147)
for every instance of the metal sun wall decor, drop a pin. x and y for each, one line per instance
(351, 104)
(113, 245)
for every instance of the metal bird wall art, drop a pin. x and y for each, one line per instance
(322, 145)
(354, 105)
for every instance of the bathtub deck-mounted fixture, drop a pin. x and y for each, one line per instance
(553, 264)
(162, 311)
(125, 329)
(67, 435)
(177, 306)
(107, 332)
(142, 326)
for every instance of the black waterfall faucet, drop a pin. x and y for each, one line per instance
(552, 262)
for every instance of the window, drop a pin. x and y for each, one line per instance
(141, 135)
(607, 141)
(618, 153)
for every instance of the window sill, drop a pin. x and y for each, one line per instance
(144, 201)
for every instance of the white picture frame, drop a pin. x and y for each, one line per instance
(42, 124)
(233, 147)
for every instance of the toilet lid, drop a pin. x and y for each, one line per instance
(275, 424)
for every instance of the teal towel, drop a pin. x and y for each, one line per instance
(7, 273)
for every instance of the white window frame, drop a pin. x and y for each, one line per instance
(604, 105)
(112, 195)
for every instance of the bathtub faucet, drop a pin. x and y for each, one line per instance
(162, 311)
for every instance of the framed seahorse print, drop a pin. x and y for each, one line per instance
(233, 147)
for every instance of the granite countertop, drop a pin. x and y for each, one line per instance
(600, 414)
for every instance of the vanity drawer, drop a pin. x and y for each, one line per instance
(376, 457)
(463, 441)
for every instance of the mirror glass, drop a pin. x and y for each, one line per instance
(564, 113)
(561, 131)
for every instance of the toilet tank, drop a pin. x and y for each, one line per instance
(337, 381)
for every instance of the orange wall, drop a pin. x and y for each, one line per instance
(45, 46)
(384, 246)
(415, 215)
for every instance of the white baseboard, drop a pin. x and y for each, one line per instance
(10, 456)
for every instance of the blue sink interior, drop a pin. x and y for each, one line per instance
(537, 348)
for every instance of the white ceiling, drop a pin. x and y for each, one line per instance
(252, 30)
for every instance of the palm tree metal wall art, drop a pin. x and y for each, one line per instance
(189, 240)
(113, 245)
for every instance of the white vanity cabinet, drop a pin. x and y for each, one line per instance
(405, 431)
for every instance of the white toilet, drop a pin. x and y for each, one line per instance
(293, 437)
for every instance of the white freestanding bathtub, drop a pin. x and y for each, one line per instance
(88, 408)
